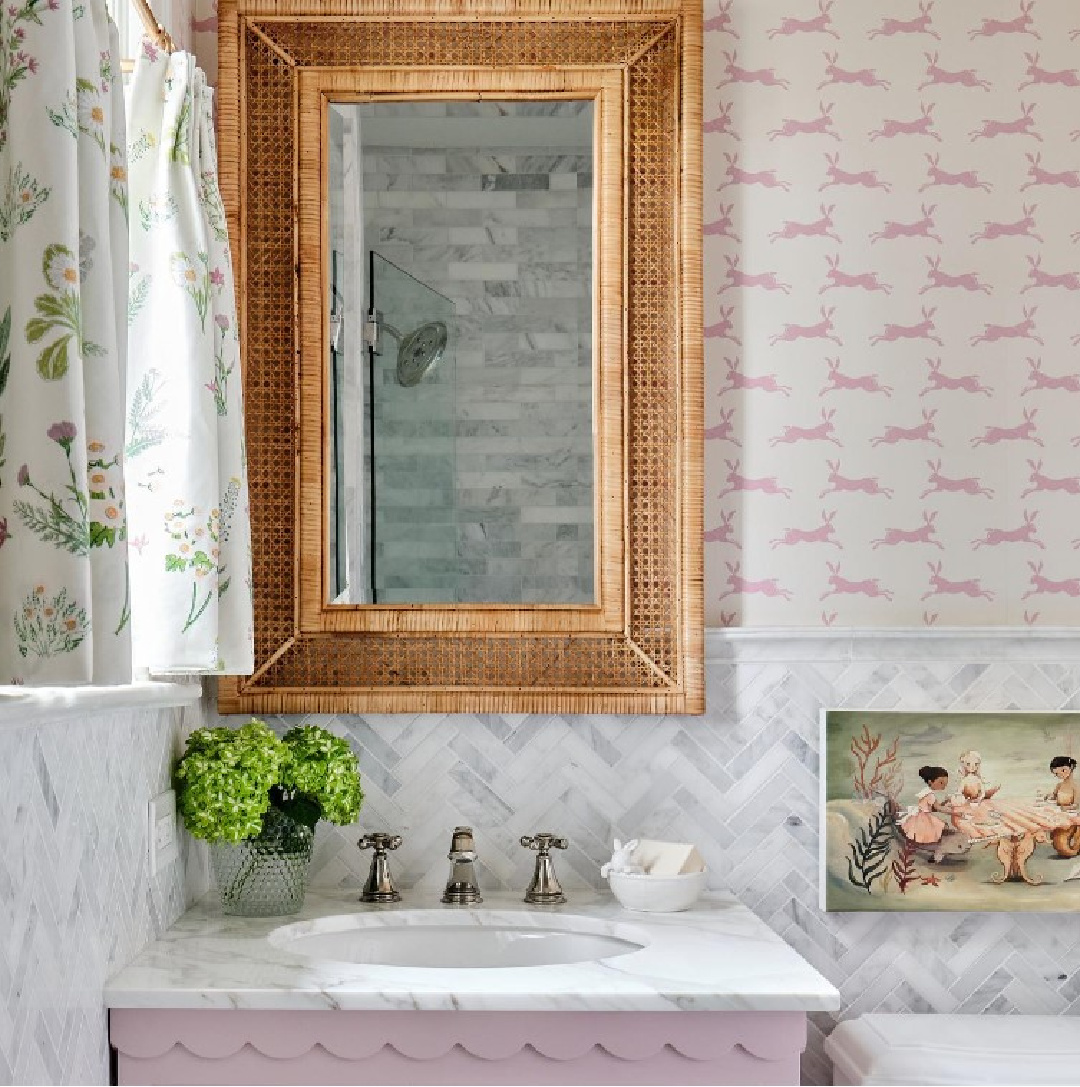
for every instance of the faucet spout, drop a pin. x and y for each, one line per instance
(461, 887)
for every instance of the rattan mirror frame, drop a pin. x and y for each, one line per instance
(639, 649)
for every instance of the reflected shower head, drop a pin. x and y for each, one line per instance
(419, 352)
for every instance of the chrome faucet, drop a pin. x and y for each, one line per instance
(461, 887)
(544, 889)
(379, 886)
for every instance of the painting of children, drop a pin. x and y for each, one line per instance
(900, 832)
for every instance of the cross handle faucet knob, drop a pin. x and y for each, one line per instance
(379, 842)
(543, 841)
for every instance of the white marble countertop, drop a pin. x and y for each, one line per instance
(717, 956)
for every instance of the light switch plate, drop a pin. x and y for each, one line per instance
(163, 834)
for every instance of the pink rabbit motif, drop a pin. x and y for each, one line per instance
(828, 618)
(1020, 228)
(1039, 483)
(724, 431)
(942, 484)
(737, 482)
(1030, 617)
(939, 178)
(840, 382)
(841, 484)
(765, 77)
(943, 77)
(821, 125)
(820, 24)
(823, 432)
(841, 586)
(917, 228)
(923, 125)
(943, 586)
(923, 432)
(823, 330)
(815, 228)
(1045, 586)
(921, 330)
(739, 586)
(1022, 24)
(1025, 533)
(1037, 76)
(724, 329)
(1070, 281)
(836, 175)
(921, 24)
(722, 123)
(861, 77)
(836, 279)
(738, 279)
(1024, 125)
(736, 175)
(737, 380)
(1038, 379)
(724, 532)
(729, 618)
(1022, 330)
(724, 227)
(937, 279)
(825, 533)
(924, 534)
(1022, 432)
(937, 381)
(721, 22)
(1070, 179)
(929, 618)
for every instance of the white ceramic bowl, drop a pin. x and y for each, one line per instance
(657, 894)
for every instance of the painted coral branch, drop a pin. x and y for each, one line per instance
(903, 866)
(884, 778)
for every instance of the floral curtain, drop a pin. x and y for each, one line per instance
(186, 471)
(63, 266)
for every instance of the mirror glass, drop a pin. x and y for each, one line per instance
(460, 372)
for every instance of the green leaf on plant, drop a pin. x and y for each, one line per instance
(174, 563)
(53, 361)
(102, 535)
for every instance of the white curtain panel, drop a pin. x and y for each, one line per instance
(63, 267)
(186, 468)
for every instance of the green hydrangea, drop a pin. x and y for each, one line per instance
(229, 777)
(224, 780)
(323, 768)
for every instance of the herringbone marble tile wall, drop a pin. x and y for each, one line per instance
(76, 899)
(741, 782)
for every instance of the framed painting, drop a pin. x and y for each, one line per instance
(950, 811)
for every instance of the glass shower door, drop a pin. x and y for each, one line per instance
(411, 427)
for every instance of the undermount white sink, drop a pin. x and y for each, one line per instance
(442, 940)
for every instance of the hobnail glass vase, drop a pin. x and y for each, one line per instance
(264, 876)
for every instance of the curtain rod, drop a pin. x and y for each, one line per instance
(153, 28)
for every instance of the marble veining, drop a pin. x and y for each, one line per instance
(715, 957)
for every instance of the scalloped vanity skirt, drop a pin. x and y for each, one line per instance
(162, 1046)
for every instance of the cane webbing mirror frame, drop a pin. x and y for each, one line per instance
(639, 647)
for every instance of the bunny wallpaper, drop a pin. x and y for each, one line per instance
(892, 272)
(950, 811)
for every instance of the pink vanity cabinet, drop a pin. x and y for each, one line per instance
(184, 1046)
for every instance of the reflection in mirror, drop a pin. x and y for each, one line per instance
(460, 373)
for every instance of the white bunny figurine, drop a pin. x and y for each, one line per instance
(620, 859)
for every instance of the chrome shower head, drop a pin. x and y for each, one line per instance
(419, 352)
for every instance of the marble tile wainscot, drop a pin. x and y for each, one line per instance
(741, 783)
(77, 768)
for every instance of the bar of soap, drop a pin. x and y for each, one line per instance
(667, 858)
